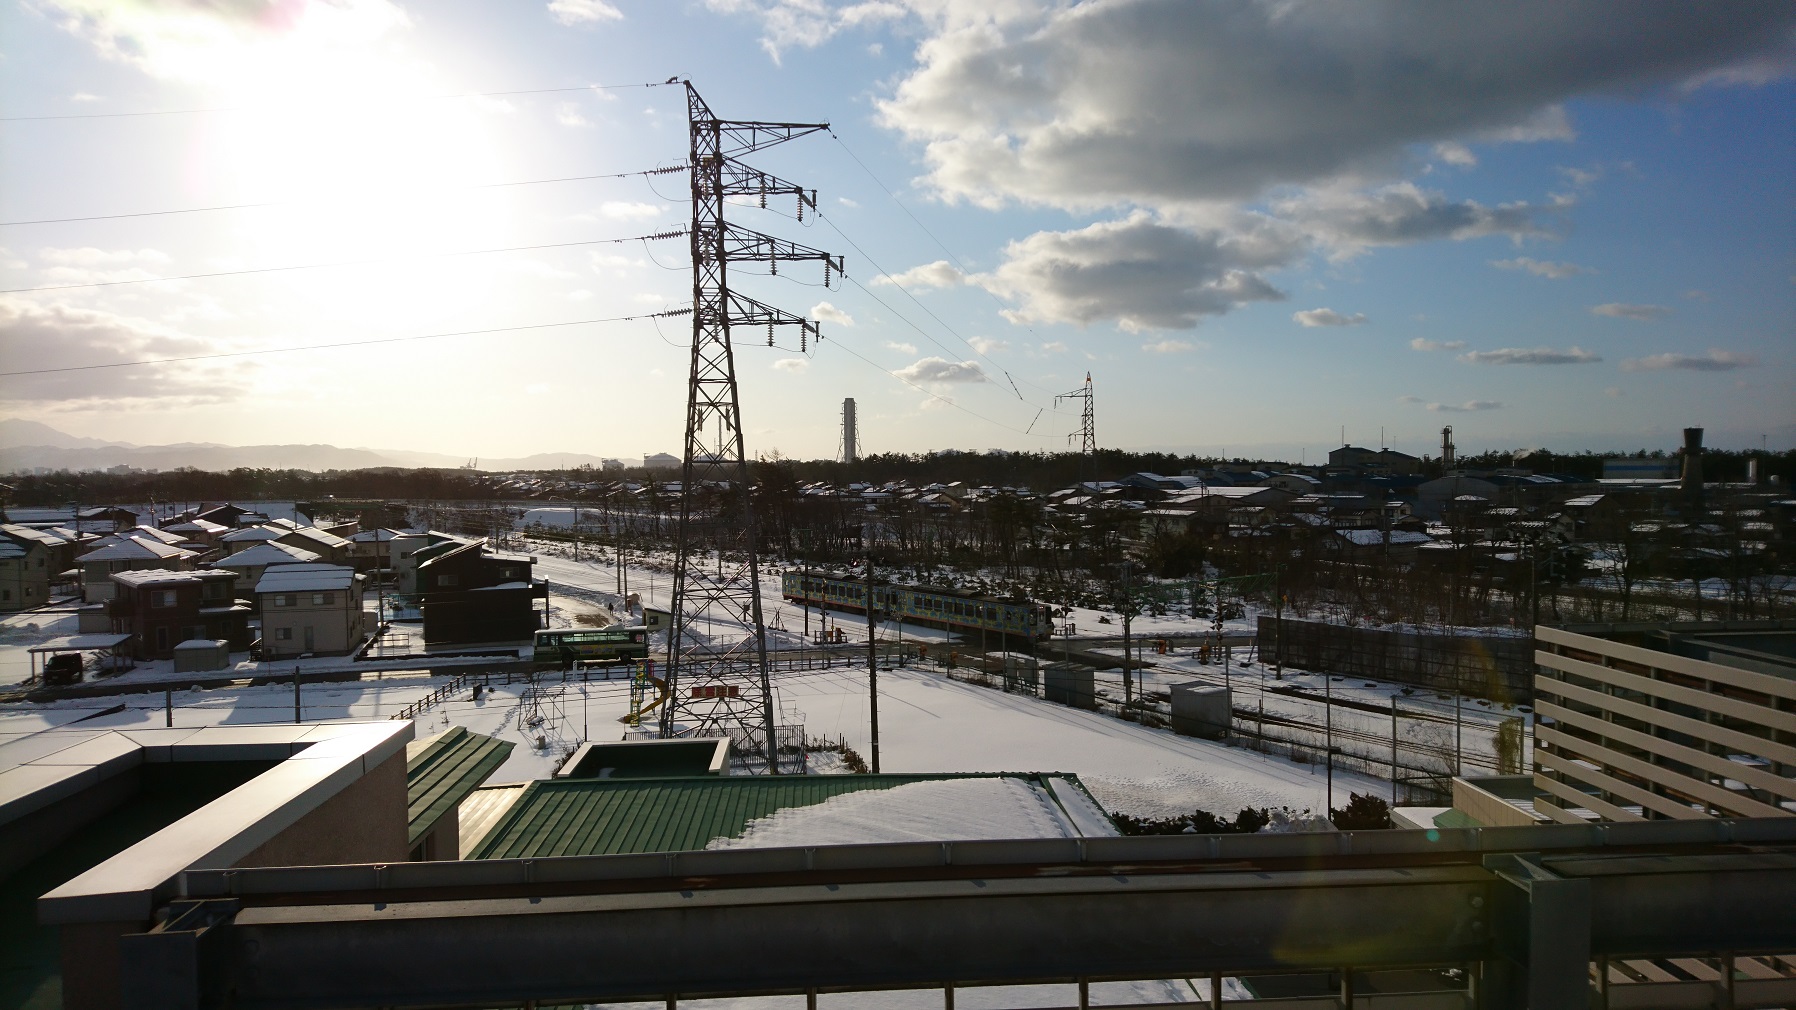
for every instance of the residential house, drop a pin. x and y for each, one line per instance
(251, 564)
(161, 608)
(333, 549)
(125, 554)
(198, 533)
(248, 536)
(310, 608)
(375, 549)
(25, 569)
(469, 593)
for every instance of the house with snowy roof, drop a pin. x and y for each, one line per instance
(310, 608)
(250, 564)
(161, 608)
(470, 593)
(125, 554)
(25, 568)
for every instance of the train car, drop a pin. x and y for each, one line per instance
(933, 606)
(561, 648)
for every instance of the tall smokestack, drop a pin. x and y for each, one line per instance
(1692, 483)
(850, 435)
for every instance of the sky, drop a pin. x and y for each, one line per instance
(1261, 226)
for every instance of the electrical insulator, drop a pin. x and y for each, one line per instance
(773, 267)
(763, 201)
(826, 272)
(801, 335)
(801, 207)
(770, 334)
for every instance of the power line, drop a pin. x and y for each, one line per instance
(289, 203)
(930, 393)
(677, 233)
(919, 223)
(253, 108)
(348, 343)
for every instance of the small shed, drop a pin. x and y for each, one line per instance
(198, 655)
(1201, 709)
(1071, 684)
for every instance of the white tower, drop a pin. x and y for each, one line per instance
(851, 436)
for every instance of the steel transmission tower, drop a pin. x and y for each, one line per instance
(1087, 434)
(717, 679)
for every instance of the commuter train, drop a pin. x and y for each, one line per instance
(926, 605)
(561, 648)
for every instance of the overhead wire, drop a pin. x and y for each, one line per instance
(253, 108)
(920, 330)
(666, 313)
(290, 203)
(341, 263)
(925, 228)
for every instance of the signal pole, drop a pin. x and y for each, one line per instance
(717, 676)
(872, 663)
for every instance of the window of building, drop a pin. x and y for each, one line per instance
(448, 580)
(5, 594)
(162, 598)
(283, 599)
(283, 634)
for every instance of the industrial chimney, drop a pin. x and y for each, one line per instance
(1692, 483)
(851, 436)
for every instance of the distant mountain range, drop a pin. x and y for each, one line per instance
(27, 445)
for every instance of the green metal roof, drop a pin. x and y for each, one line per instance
(589, 817)
(442, 770)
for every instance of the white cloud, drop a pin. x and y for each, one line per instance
(226, 42)
(901, 347)
(60, 336)
(1348, 221)
(824, 312)
(1622, 310)
(583, 12)
(1697, 295)
(1468, 406)
(1138, 272)
(844, 201)
(1169, 346)
(787, 24)
(1454, 153)
(988, 345)
(1018, 101)
(88, 265)
(1424, 344)
(934, 369)
(568, 114)
(630, 210)
(794, 366)
(1328, 317)
(940, 274)
(1542, 268)
(1573, 355)
(82, 96)
(1717, 360)
(1580, 176)
(1054, 347)
(1409, 398)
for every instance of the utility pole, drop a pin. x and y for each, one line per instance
(872, 665)
(1328, 718)
(1128, 609)
(717, 677)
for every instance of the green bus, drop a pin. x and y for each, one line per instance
(562, 648)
